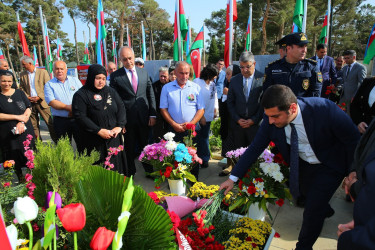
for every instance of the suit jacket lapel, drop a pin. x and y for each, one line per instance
(126, 80)
(308, 121)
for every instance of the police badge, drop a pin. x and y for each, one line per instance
(320, 77)
(305, 84)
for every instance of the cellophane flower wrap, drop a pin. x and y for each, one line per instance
(170, 159)
(264, 182)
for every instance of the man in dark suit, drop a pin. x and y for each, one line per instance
(360, 232)
(243, 102)
(317, 139)
(135, 88)
(326, 66)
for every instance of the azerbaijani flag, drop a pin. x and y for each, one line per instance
(194, 57)
(323, 35)
(370, 48)
(114, 49)
(227, 32)
(49, 59)
(101, 33)
(183, 28)
(247, 40)
(86, 55)
(143, 43)
(59, 49)
(25, 48)
(298, 16)
(35, 58)
(187, 39)
(1, 54)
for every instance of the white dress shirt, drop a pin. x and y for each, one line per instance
(129, 74)
(249, 83)
(371, 97)
(32, 83)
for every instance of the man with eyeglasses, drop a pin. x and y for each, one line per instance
(243, 101)
(135, 89)
(352, 78)
(300, 74)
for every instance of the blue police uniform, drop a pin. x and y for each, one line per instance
(304, 79)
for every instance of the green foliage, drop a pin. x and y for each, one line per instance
(213, 52)
(215, 127)
(215, 143)
(58, 168)
(149, 225)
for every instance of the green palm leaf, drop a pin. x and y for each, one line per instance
(102, 191)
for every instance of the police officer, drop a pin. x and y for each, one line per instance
(302, 75)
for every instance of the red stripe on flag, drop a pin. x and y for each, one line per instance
(21, 34)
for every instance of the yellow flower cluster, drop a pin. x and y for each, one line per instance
(202, 191)
(161, 194)
(248, 234)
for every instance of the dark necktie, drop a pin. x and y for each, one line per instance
(294, 163)
(321, 64)
(348, 70)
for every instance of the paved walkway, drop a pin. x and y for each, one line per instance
(287, 219)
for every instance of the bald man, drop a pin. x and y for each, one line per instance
(135, 89)
(59, 93)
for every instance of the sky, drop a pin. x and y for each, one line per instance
(197, 10)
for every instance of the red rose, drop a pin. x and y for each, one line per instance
(251, 189)
(272, 144)
(210, 240)
(277, 235)
(190, 126)
(240, 184)
(259, 179)
(102, 239)
(280, 202)
(72, 217)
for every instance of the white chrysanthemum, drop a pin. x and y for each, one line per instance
(171, 145)
(278, 176)
(169, 136)
(181, 167)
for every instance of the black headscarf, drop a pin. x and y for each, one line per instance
(93, 71)
(236, 70)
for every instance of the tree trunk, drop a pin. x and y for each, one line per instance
(235, 44)
(122, 27)
(281, 30)
(313, 45)
(39, 51)
(264, 31)
(75, 38)
(17, 51)
(10, 59)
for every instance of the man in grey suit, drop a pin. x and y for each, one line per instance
(352, 78)
(135, 89)
(243, 102)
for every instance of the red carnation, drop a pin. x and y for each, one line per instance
(210, 239)
(240, 184)
(259, 179)
(251, 189)
(280, 202)
(168, 171)
(272, 144)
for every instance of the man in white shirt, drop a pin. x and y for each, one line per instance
(32, 82)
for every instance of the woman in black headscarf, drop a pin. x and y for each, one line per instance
(101, 115)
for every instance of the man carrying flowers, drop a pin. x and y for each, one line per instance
(317, 139)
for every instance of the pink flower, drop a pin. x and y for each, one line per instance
(121, 147)
(29, 137)
(31, 186)
(28, 177)
(7, 184)
(30, 165)
(15, 221)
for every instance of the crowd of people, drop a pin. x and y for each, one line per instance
(317, 111)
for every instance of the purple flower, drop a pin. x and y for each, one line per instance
(58, 200)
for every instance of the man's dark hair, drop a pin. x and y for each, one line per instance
(279, 96)
(209, 72)
(321, 46)
(171, 68)
(220, 60)
(349, 53)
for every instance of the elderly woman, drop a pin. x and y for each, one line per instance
(101, 116)
(15, 125)
(209, 94)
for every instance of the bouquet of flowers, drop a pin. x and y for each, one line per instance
(264, 183)
(170, 159)
(235, 155)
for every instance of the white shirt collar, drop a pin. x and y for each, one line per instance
(298, 120)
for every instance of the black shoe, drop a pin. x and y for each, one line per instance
(301, 201)
(222, 173)
(330, 212)
(204, 164)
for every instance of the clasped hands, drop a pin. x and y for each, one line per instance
(245, 123)
(34, 99)
(348, 182)
(107, 134)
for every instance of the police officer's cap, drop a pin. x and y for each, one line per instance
(281, 42)
(298, 38)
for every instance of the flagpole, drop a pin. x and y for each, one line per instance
(304, 16)
(330, 33)
(251, 23)
(328, 24)
(179, 31)
(105, 53)
(204, 49)
(230, 30)
(43, 31)
(190, 41)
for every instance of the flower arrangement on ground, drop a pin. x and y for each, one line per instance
(264, 183)
(201, 191)
(170, 159)
(248, 234)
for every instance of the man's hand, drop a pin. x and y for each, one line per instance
(345, 227)
(179, 128)
(248, 123)
(242, 122)
(151, 121)
(348, 182)
(362, 127)
(124, 130)
(228, 185)
(34, 99)
(203, 121)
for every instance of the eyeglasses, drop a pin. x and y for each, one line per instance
(246, 67)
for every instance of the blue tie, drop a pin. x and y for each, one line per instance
(294, 163)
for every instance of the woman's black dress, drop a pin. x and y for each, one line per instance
(100, 109)
(12, 145)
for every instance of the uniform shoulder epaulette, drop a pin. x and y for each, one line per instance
(311, 60)
(274, 62)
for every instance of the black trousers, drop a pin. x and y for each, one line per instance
(65, 126)
(318, 183)
(136, 136)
